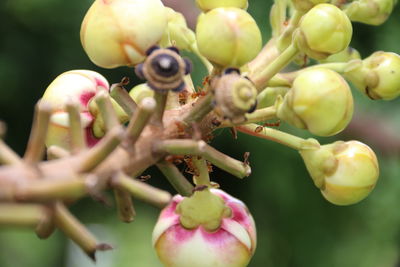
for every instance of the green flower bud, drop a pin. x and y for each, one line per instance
(344, 56)
(305, 5)
(177, 32)
(377, 76)
(345, 172)
(118, 32)
(323, 31)
(207, 5)
(320, 100)
(228, 37)
(141, 91)
(373, 12)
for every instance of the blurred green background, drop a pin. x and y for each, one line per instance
(296, 226)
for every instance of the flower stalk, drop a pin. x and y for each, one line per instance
(176, 178)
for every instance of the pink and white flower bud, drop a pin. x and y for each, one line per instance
(232, 244)
(79, 86)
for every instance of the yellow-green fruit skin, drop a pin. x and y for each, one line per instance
(140, 92)
(320, 100)
(118, 32)
(345, 172)
(355, 177)
(372, 12)
(386, 66)
(343, 56)
(177, 32)
(207, 5)
(228, 37)
(324, 30)
(305, 5)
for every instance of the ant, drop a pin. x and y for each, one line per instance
(267, 124)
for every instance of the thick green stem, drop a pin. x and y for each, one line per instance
(202, 176)
(36, 144)
(46, 226)
(261, 78)
(140, 119)
(200, 148)
(175, 178)
(203, 105)
(141, 191)
(106, 109)
(21, 214)
(48, 190)
(279, 136)
(126, 210)
(122, 97)
(123, 201)
(278, 16)
(200, 109)
(161, 101)
(102, 150)
(259, 115)
(286, 37)
(75, 230)
(77, 135)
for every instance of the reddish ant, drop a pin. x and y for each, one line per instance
(206, 80)
(182, 97)
(181, 129)
(197, 94)
(267, 124)
(175, 159)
